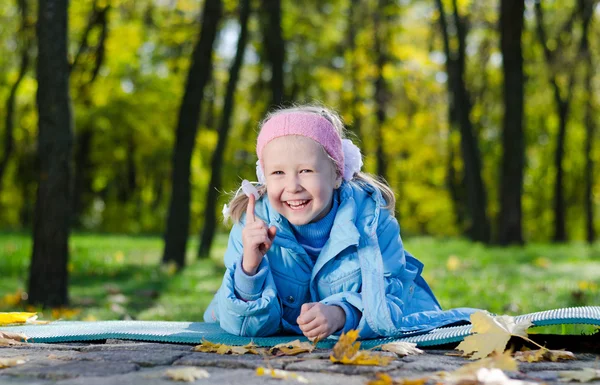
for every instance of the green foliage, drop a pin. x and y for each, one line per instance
(116, 277)
(131, 107)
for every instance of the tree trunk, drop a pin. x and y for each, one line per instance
(48, 277)
(513, 140)
(381, 93)
(274, 48)
(460, 107)
(586, 9)
(178, 221)
(217, 157)
(563, 107)
(9, 121)
(356, 99)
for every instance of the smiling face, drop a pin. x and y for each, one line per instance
(300, 178)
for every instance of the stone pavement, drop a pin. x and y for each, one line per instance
(139, 363)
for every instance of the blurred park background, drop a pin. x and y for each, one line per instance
(125, 122)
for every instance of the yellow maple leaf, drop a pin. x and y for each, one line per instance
(187, 374)
(347, 351)
(491, 334)
(281, 374)
(292, 348)
(402, 348)
(585, 375)
(544, 355)
(15, 318)
(9, 362)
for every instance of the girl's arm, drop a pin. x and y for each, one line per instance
(250, 307)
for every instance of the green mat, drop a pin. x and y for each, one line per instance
(194, 332)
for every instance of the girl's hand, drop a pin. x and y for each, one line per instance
(317, 320)
(256, 239)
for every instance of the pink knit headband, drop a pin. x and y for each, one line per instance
(306, 124)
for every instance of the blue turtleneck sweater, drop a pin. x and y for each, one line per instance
(312, 237)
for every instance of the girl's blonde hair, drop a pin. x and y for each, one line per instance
(239, 202)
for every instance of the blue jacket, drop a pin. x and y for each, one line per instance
(363, 264)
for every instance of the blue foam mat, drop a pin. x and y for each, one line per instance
(195, 332)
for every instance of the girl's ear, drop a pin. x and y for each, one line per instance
(338, 182)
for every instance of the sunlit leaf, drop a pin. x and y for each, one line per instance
(491, 334)
(187, 374)
(209, 347)
(544, 355)
(386, 379)
(15, 318)
(402, 348)
(281, 374)
(347, 351)
(585, 375)
(292, 348)
(503, 361)
(453, 263)
(9, 338)
(9, 362)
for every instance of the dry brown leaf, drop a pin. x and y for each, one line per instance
(15, 318)
(209, 347)
(347, 351)
(10, 342)
(19, 337)
(187, 374)
(385, 379)
(9, 362)
(585, 375)
(292, 348)
(402, 348)
(544, 355)
(281, 374)
(491, 334)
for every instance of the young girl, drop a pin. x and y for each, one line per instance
(316, 250)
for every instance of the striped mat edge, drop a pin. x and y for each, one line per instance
(195, 332)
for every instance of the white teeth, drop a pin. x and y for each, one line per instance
(297, 204)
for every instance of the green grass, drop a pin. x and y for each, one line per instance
(120, 277)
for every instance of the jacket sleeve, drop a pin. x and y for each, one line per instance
(247, 309)
(389, 284)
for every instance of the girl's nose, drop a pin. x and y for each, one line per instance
(293, 184)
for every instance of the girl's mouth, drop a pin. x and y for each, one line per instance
(297, 204)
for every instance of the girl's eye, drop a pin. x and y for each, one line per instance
(277, 173)
(306, 170)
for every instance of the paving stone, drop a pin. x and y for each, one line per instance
(330, 367)
(247, 361)
(133, 345)
(56, 370)
(146, 358)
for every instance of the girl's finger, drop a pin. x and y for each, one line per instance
(250, 218)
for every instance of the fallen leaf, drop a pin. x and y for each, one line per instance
(502, 361)
(402, 348)
(544, 355)
(19, 337)
(585, 375)
(209, 347)
(292, 348)
(188, 374)
(9, 362)
(281, 374)
(15, 318)
(347, 351)
(453, 263)
(385, 379)
(494, 376)
(491, 334)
